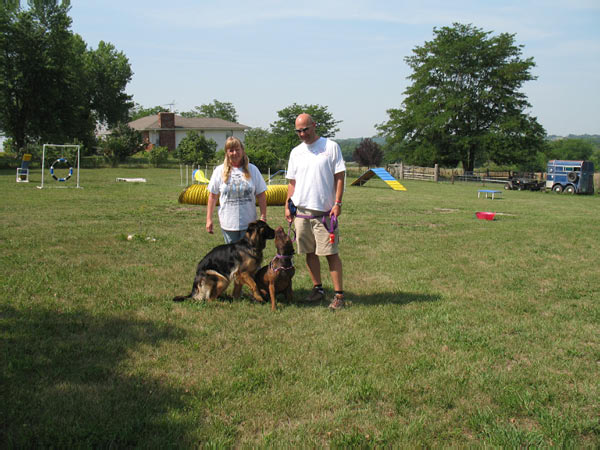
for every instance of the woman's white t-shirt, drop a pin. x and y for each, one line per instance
(237, 197)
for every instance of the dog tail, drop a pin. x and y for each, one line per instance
(180, 298)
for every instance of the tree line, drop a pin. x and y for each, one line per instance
(464, 105)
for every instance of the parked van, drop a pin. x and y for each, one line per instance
(572, 177)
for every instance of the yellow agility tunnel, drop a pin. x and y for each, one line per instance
(197, 194)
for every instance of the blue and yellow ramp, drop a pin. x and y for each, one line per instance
(381, 173)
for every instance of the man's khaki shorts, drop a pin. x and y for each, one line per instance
(312, 236)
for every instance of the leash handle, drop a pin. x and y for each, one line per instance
(291, 231)
(332, 227)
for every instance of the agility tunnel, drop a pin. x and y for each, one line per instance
(197, 194)
(381, 173)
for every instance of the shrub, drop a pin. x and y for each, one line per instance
(158, 156)
(368, 153)
(195, 149)
(122, 143)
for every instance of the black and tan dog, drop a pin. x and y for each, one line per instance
(277, 276)
(237, 262)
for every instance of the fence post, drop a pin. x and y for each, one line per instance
(436, 173)
(402, 170)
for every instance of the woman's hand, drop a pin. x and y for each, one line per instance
(209, 226)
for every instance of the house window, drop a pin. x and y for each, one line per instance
(228, 134)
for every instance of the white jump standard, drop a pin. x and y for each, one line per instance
(60, 160)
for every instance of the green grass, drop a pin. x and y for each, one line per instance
(462, 331)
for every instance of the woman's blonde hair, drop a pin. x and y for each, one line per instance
(233, 142)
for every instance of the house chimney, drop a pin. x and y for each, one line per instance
(166, 133)
(166, 120)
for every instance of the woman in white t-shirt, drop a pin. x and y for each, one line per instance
(238, 185)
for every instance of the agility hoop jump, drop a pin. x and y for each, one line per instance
(62, 161)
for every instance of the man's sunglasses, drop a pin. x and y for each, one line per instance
(302, 130)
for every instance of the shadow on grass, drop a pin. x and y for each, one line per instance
(64, 382)
(381, 298)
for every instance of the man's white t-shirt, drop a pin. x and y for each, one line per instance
(237, 197)
(313, 167)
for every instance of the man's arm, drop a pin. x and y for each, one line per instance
(290, 192)
(338, 180)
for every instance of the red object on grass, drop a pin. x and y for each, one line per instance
(485, 215)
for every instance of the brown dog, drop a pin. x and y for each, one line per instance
(277, 276)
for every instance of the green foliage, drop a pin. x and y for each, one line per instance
(195, 149)
(138, 111)
(368, 153)
(109, 72)
(158, 155)
(264, 159)
(121, 143)
(261, 150)
(258, 139)
(9, 146)
(282, 130)
(576, 149)
(465, 103)
(349, 145)
(52, 88)
(393, 153)
(216, 109)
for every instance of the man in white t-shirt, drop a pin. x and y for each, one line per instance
(316, 171)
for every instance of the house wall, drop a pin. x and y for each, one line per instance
(218, 136)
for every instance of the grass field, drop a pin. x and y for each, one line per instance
(461, 331)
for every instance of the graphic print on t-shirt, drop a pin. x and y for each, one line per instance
(238, 190)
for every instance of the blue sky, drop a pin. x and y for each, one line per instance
(347, 55)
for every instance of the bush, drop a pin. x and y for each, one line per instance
(122, 143)
(368, 153)
(195, 149)
(158, 156)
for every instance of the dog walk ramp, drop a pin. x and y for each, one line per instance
(381, 173)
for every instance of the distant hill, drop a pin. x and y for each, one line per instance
(348, 145)
(356, 141)
(594, 138)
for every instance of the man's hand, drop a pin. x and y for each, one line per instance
(336, 211)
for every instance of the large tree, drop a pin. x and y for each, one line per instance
(259, 147)
(465, 103)
(216, 109)
(282, 130)
(138, 111)
(109, 72)
(52, 88)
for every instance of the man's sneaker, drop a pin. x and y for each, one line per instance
(316, 295)
(337, 302)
